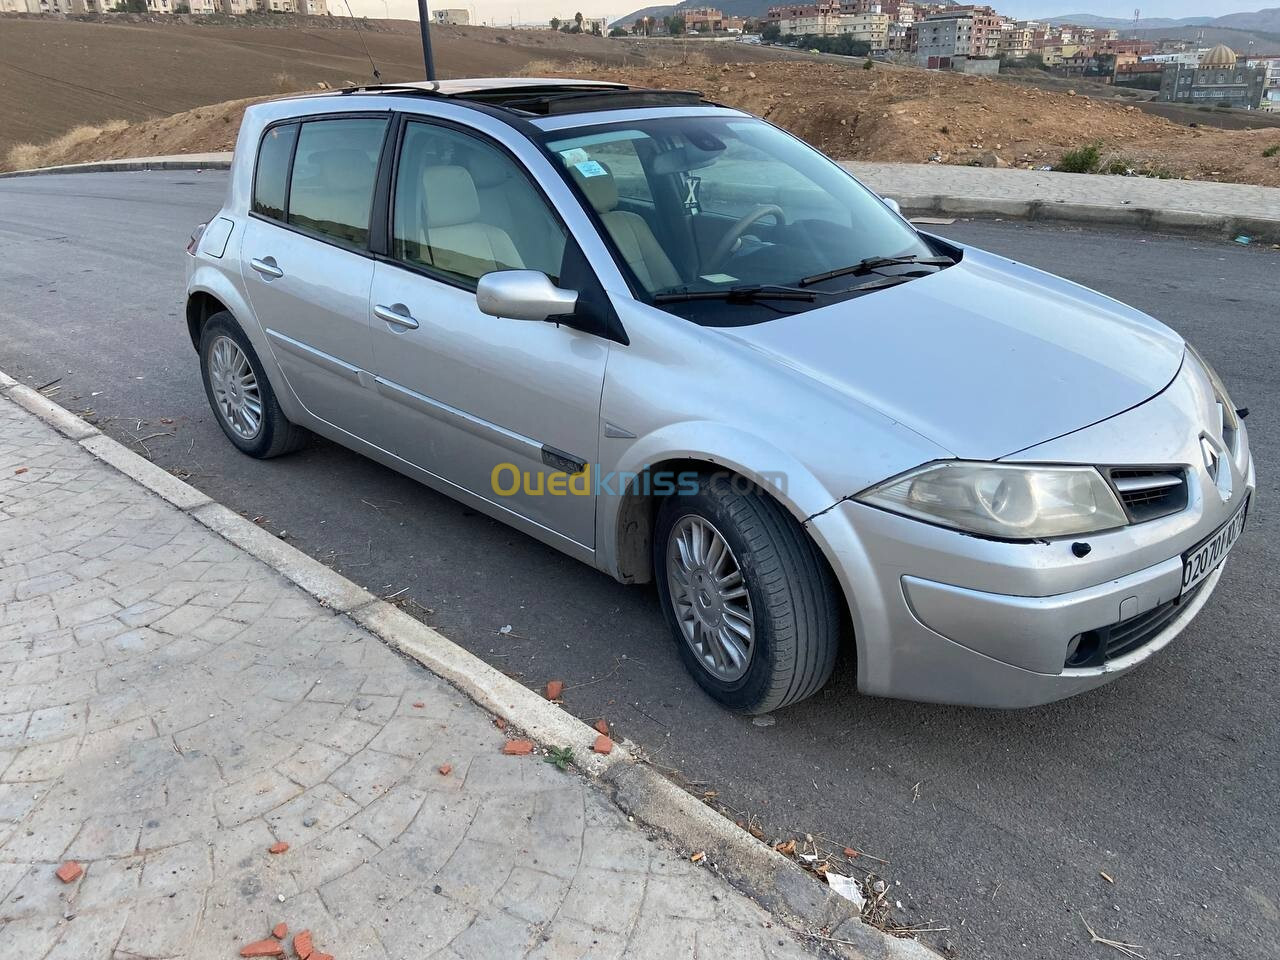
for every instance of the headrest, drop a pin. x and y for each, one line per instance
(343, 168)
(487, 168)
(450, 196)
(601, 190)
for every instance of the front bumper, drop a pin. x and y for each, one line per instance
(944, 616)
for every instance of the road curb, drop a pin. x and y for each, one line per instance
(120, 166)
(1220, 226)
(777, 883)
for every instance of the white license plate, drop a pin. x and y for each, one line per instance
(1203, 559)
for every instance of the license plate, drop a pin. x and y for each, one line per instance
(1203, 559)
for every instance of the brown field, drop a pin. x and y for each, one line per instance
(56, 75)
(205, 75)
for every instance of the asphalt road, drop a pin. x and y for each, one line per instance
(996, 825)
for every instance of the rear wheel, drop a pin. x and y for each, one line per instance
(239, 393)
(749, 600)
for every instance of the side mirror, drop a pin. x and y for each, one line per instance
(892, 204)
(523, 295)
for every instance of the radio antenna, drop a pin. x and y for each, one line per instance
(377, 74)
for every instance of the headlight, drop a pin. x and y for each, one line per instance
(1230, 421)
(1003, 500)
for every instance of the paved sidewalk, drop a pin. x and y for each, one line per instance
(1190, 196)
(171, 708)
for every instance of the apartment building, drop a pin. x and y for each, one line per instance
(985, 32)
(710, 20)
(870, 28)
(1015, 40)
(940, 39)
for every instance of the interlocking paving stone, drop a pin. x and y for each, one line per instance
(170, 708)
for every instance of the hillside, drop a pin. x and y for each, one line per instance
(60, 74)
(885, 114)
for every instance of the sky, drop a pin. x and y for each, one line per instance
(529, 11)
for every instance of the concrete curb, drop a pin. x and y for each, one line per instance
(1220, 226)
(121, 166)
(777, 883)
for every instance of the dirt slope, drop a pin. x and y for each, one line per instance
(886, 114)
(57, 74)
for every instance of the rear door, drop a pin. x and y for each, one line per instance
(306, 263)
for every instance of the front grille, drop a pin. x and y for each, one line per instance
(1096, 647)
(1149, 493)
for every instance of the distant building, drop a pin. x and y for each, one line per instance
(709, 20)
(1015, 40)
(939, 40)
(1219, 78)
(454, 16)
(1270, 67)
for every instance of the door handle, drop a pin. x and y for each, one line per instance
(397, 313)
(267, 267)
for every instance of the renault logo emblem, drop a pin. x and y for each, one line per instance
(1211, 461)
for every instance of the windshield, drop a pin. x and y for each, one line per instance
(706, 205)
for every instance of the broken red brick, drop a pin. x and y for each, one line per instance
(517, 748)
(302, 945)
(278, 847)
(322, 956)
(69, 872)
(263, 948)
(446, 769)
(851, 853)
(419, 705)
(554, 689)
(602, 745)
(602, 726)
(20, 470)
(280, 930)
(500, 723)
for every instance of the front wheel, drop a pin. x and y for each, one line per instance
(240, 394)
(749, 599)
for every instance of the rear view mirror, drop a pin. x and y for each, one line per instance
(523, 295)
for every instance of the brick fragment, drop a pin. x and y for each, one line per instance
(419, 705)
(20, 470)
(278, 847)
(602, 726)
(262, 948)
(500, 723)
(69, 872)
(322, 956)
(602, 745)
(555, 689)
(302, 945)
(446, 769)
(517, 748)
(280, 930)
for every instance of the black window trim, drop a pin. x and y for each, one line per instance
(388, 115)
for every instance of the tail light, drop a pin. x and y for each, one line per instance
(194, 242)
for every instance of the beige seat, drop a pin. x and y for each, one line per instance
(455, 239)
(630, 233)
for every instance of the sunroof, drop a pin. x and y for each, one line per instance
(542, 99)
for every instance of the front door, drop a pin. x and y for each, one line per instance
(306, 263)
(505, 409)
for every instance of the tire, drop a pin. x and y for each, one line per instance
(275, 434)
(792, 595)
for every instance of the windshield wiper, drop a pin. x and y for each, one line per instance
(871, 264)
(745, 294)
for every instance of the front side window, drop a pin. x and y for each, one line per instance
(464, 208)
(727, 203)
(334, 169)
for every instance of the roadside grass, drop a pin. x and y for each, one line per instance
(27, 156)
(1084, 159)
(1272, 150)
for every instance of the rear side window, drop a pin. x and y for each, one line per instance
(334, 169)
(271, 179)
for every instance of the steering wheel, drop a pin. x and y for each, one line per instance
(730, 240)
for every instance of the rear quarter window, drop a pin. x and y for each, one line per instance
(334, 169)
(271, 178)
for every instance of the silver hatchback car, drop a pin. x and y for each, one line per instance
(669, 339)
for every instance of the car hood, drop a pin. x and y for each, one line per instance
(984, 358)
